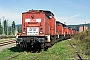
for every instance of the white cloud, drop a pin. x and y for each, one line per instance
(75, 16)
(10, 15)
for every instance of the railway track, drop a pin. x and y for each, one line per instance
(73, 46)
(34, 58)
(7, 42)
(4, 37)
(14, 56)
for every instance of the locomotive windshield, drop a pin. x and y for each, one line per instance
(58, 23)
(48, 14)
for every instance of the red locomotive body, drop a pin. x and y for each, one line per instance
(73, 31)
(35, 23)
(52, 25)
(38, 27)
(70, 31)
(66, 32)
(40, 30)
(76, 32)
(60, 29)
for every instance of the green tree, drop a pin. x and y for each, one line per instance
(5, 27)
(19, 29)
(13, 27)
(0, 27)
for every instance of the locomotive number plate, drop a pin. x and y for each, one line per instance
(32, 31)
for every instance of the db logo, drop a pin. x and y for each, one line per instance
(33, 20)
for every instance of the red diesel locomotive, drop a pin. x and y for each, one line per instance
(40, 29)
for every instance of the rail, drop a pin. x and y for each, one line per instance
(14, 56)
(7, 42)
(4, 37)
(80, 58)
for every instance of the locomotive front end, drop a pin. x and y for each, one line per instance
(32, 28)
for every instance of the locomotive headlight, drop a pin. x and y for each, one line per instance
(41, 31)
(24, 31)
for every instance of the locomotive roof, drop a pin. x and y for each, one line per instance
(60, 23)
(45, 11)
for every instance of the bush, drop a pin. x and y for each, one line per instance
(82, 40)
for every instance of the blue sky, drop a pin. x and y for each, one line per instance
(69, 11)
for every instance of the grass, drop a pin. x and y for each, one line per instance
(60, 51)
(7, 53)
